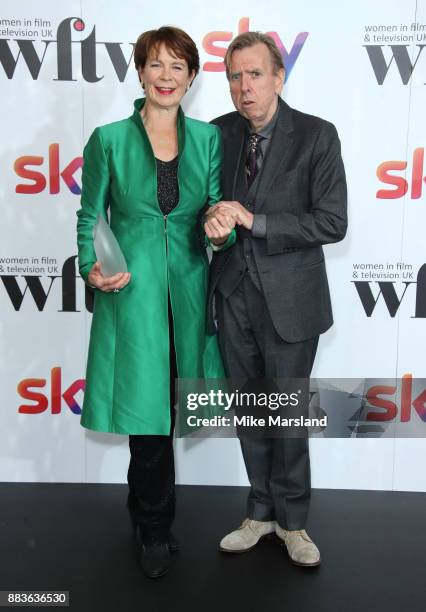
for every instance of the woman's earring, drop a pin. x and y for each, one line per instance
(188, 85)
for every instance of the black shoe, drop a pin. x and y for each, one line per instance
(155, 559)
(171, 540)
(173, 543)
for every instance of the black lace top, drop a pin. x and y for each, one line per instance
(167, 184)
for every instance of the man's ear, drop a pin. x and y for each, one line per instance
(279, 81)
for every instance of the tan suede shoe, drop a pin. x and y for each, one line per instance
(246, 536)
(301, 550)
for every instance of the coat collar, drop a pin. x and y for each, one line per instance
(285, 117)
(137, 119)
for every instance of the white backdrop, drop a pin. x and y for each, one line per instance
(360, 65)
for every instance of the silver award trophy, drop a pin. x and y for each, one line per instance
(107, 249)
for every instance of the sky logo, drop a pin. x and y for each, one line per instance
(210, 46)
(24, 168)
(27, 389)
(389, 409)
(401, 183)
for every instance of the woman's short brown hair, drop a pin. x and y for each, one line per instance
(175, 40)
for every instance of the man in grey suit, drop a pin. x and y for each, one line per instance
(284, 191)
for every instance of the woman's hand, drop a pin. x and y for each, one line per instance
(107, 283)
(218, 224)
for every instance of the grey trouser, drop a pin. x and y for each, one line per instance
(278, 468)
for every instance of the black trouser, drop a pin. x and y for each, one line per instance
(278, 468)
(151, 474)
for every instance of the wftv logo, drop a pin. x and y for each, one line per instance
(22, 167)
(389, 409)
(33, 286)
(400, 183)
(388, 292)
(399, 53)
(26, 390)
(64, 45)
(210, 40)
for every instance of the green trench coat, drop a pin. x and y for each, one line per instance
(127, 380)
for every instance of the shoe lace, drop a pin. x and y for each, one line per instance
(246, 522)
(302, 533)
(252, 524)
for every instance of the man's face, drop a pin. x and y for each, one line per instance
(254, 85)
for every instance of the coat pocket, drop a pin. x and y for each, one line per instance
(313, 264)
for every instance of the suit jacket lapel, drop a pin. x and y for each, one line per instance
(234, 150)
(278, 153)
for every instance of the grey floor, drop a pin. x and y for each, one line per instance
(78, 538)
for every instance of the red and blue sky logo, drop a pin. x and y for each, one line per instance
(394, 173)
(44, 396)
(211, 39)
(49, 174)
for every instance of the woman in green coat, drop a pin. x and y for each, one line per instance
(154, 172)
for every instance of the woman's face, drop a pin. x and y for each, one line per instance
(165, 78)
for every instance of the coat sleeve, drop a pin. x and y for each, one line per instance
(326, 221)
(215, 189)
(94, 199)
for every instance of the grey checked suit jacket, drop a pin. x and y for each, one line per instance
(302, 192)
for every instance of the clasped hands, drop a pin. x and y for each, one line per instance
(220, 220)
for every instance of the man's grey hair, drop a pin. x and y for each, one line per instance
(249, 39)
